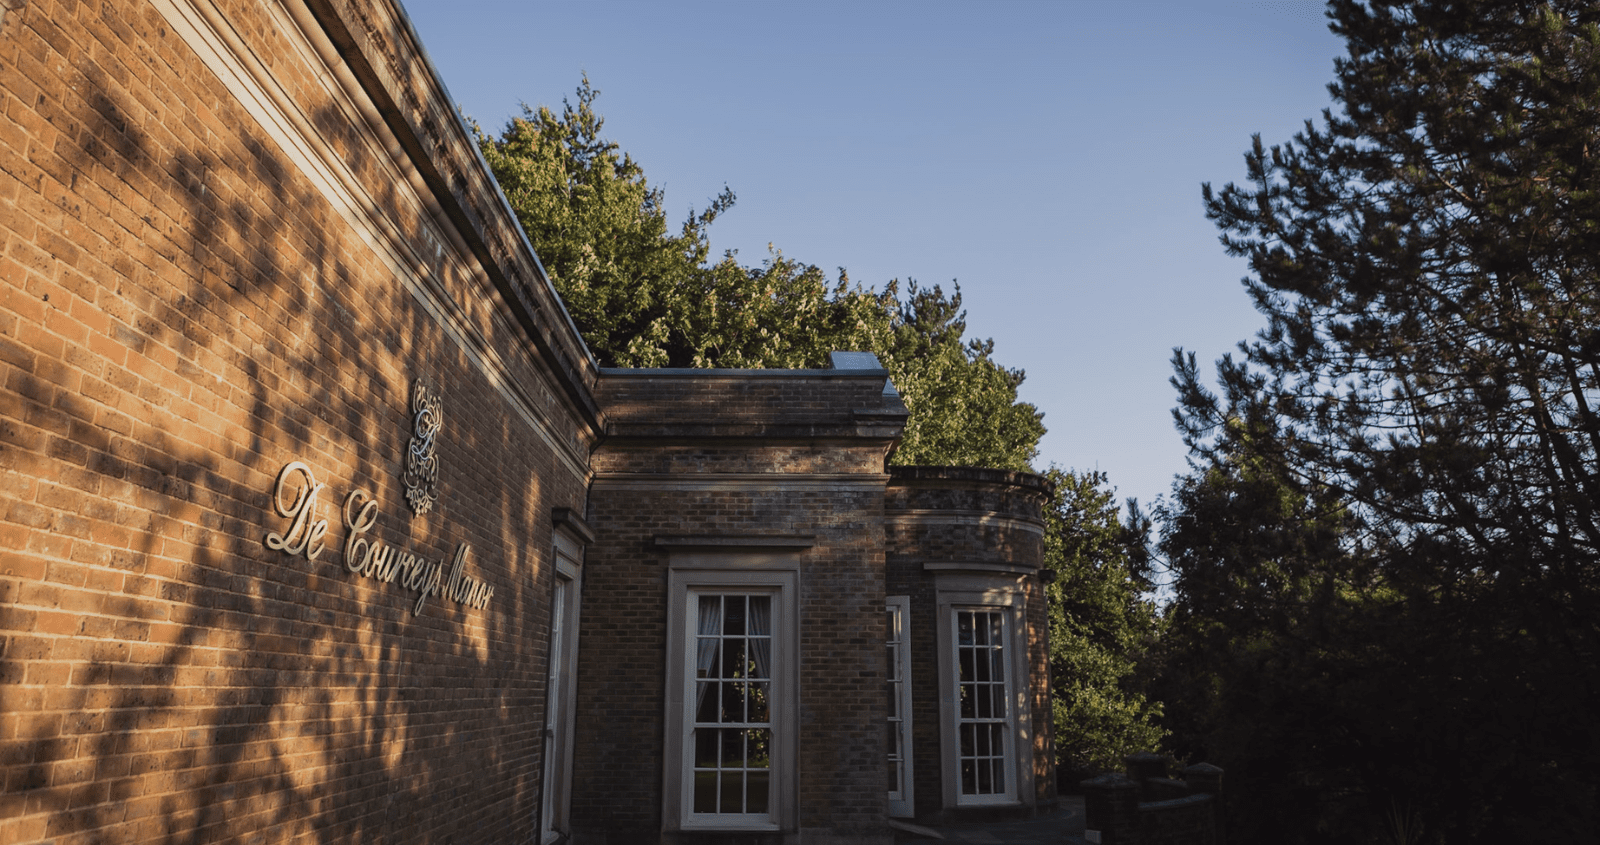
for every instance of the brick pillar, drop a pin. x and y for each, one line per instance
(1111, 810)
(1206, 778)
(1146, 765)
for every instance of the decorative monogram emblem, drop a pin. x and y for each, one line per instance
(422, 459)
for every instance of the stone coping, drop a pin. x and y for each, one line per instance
(980, 475)
(713, 373)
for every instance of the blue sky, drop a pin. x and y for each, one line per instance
(1048, 155)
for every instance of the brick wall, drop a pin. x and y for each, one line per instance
(183, 311)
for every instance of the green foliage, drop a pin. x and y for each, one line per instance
(1101, 625)
(600, 229)
(1386, 554)
(964, 408)
(644, 296)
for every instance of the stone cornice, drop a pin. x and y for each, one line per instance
(693, 433)
(733, 542)
(979, 568)
(740, 482)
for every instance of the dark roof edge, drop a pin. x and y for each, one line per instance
(692, 372)
(983, 475)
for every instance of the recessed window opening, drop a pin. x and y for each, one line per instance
(983, 693)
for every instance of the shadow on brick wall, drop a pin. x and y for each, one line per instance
(205, 318)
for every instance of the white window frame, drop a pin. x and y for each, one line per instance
(902, 801)
(689, 576)
(1004, 592)
(561, 691)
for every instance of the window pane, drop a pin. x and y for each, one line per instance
(707, 655)
(761, 615)
(760, 748)
(760, 657)
(732, 704)
(733, 658)
(998, 663)
(758, 784)
(732, 793)
(760, 694)
(732, 749)
(710, 608)
(705, 792)
(733, 617)
(705, 748)
(964, 629)
(708, 699)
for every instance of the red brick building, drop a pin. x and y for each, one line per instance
(318, 523)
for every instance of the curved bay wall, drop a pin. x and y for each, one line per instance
(943, 522)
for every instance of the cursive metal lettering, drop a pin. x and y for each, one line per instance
(305, 530)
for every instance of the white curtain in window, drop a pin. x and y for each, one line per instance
(761, 624)
(706, 648)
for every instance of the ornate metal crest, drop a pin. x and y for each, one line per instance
(422, 458)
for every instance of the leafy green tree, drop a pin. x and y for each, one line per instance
(964, 406)
(1407, 459)
(1101, 625)
(643, 295)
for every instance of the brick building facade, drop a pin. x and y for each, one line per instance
(318, 523)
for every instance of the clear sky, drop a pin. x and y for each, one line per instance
(1047, 154)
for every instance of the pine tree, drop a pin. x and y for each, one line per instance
(1426, 259)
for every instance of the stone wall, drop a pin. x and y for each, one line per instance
(1145, 807)
(218, 256)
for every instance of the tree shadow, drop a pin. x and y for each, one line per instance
(167, 677)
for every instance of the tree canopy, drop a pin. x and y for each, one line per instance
(1102, 624)
(644, 295)
(1389, 543)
